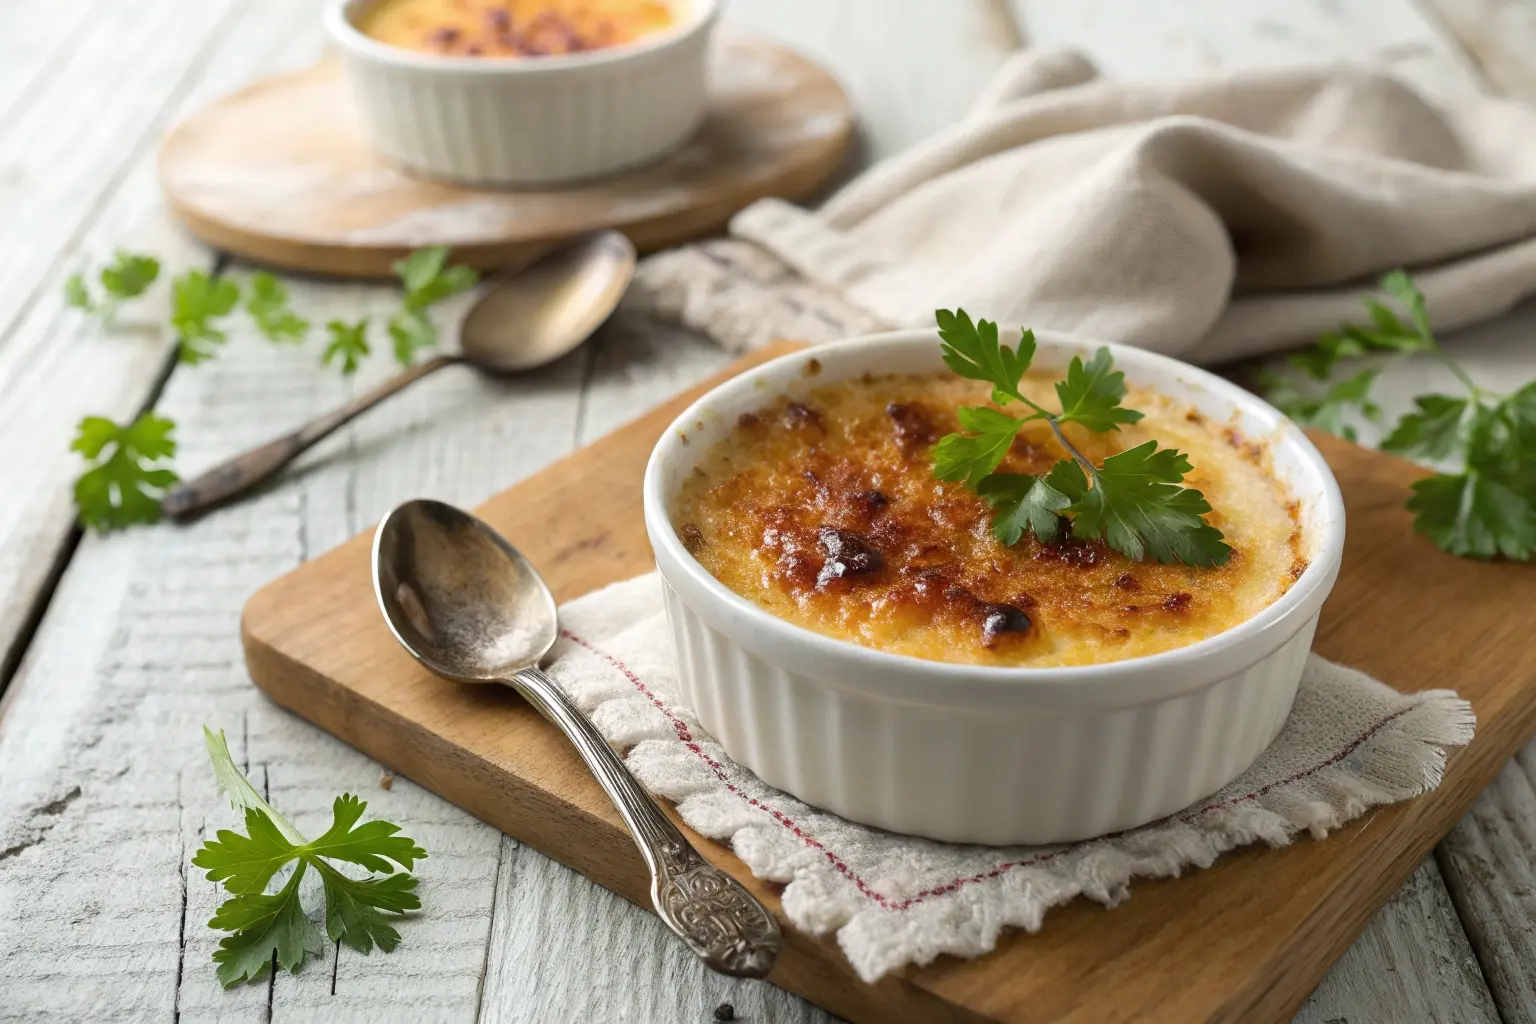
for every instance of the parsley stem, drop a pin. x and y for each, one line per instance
(1042, 413)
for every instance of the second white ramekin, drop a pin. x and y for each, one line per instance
(981, 754)
(528, 121)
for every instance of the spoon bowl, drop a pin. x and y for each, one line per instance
(462, 600)
(535, 314)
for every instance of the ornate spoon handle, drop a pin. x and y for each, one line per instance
(709, 910)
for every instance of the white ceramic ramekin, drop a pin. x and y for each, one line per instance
(532, 120)
(979, 754)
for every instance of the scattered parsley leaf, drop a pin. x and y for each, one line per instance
(124, 482)
(372, 844)
(353, 908)
(1432, 432)
(411, 330)
(246, 863)
(348, 344)
(129, 275)
(76, 295)
(264, 925)
(197, 300)
(267, 303)
(1023, 504)
(1330, 410)
(1474, 516)
(1136, 505)
(972, 351)
(1091, 394)
(427, 280)
(1488, 509)
(971, 457)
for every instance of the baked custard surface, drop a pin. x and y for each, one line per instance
(825, 513)
(514, 28)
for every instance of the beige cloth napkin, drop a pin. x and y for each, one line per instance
(1350, 744)
(1212, 218)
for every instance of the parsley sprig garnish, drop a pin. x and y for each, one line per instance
(1488, 507)
(267, 928)
(1133, 501)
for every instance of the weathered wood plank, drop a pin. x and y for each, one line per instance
(56, 365)
(1382, 977)
(1497, 36)
(1490, 867)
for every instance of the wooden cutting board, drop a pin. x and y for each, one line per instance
(1244, 941)
(279, 173)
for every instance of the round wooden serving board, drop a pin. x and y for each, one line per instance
(279, 173)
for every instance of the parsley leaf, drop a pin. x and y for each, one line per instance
(1133, 501)
(1433, 432)
(1136, 505)
(970, 458)
(1489, 508)
(972, 351)
(124, 482)
(1023, 504)
(267, 925)
(267, 303)
(353, 908)
(1474, 516)
(76, 294)
(349, 345)
(196, 301)
(262, 926)
(1091, 394)
(128, 276)
(427, 280)
(411, 330)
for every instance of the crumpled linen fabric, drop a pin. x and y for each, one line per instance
(1212, 218)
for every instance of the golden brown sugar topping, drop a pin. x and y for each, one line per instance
(514, 28)
(825, 512)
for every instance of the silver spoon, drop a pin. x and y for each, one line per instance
(523, 320)
(467, 605)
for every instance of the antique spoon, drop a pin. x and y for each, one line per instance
(468, 606)
(522, 320)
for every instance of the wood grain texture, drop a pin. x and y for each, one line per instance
(280, 173)
(1491, 872)
(1251, 936)
(1412, 963)
(56, 365)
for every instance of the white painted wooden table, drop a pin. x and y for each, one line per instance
(118, 649)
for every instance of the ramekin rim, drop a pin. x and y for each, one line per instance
(1298, 603)
(345, 34)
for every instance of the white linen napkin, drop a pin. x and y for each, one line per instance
(1350, 744)
(1212, 218)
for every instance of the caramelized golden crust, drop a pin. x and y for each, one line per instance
(514, 28)
(825, 512)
